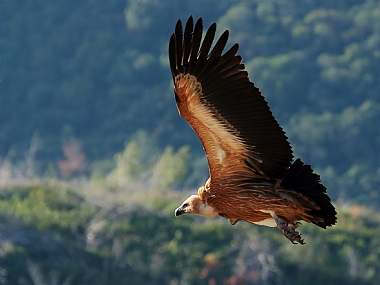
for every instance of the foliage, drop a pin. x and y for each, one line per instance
(61, 210)
(97, 72)
(314, 134)
(79, 79)
(52, 234)
(139, 162)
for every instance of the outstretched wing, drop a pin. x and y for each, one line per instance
(231, 117)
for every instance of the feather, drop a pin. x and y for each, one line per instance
(252, 176)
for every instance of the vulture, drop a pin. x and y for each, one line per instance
(253, 176)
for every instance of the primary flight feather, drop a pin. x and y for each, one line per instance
(252, 173)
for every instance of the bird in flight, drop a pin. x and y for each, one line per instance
(252, 173)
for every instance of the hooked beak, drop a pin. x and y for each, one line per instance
(179, 211)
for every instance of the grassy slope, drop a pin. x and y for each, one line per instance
(53, 233)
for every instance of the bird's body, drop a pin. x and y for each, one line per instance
(252, 176)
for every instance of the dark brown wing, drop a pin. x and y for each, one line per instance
(226, 110)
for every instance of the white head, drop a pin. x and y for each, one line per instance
(194, 205)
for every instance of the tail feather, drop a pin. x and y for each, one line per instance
(300, 178)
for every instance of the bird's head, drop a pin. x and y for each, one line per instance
(194, 205)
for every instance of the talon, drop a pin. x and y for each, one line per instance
(288, 230)
(295, 225)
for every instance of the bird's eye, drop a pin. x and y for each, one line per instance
(185, 205)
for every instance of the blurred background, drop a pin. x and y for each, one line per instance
(94, 157)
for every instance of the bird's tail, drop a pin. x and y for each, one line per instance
(300, 178)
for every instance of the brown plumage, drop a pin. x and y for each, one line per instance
(252, 177)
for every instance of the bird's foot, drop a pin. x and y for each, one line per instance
(288, 230)
(294, 226)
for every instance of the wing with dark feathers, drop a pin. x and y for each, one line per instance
(227, 111)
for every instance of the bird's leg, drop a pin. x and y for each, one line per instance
(288, 230)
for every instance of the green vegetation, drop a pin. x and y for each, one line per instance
(119, 228)
(95, 73)
(93, 152)
(51, 234)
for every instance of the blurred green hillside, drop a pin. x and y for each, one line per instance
(52, 233)
(97, 73)
(94, 157)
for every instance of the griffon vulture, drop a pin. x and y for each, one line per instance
(252, 173)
